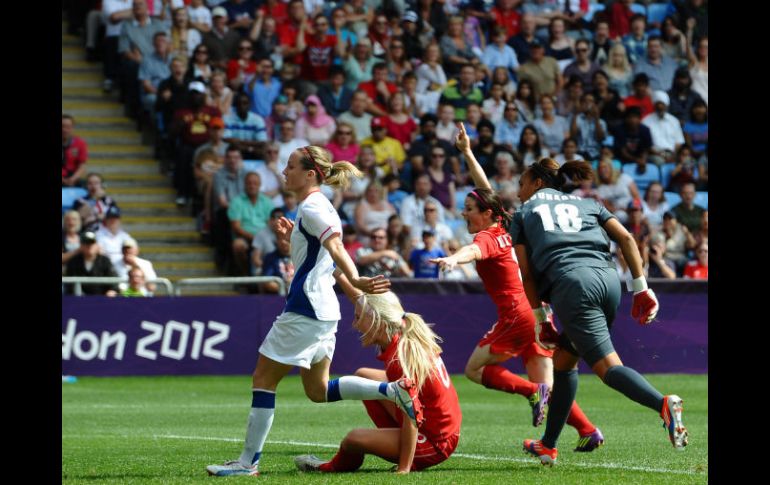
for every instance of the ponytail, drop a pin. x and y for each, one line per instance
(555, 177)
(337, 175)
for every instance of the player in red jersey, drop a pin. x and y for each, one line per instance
(409, 348)
(519, 331)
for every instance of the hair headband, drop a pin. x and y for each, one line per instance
(484, 205)
(317, 167)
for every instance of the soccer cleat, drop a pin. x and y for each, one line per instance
(672, 421)
(308, 463)
(232, 468)
(405, 392)
(539, 400)
(536, 448)
(590, 441)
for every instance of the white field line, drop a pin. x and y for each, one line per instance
(459, 455)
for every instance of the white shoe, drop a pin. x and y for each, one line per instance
(672, 421)
(405, 392)
(231, 468)
(308, 463)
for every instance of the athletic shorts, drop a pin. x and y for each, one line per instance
(586, 301)
(298, 340)
(514, 335)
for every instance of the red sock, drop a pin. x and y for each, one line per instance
(578, 420)
(380, 416)
(343, 461)
(500, 378)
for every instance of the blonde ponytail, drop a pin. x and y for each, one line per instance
(337, 175)
(418, 345)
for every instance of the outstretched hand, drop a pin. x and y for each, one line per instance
(285, 226)
(445, 264)
(376, 285)
(462, 142)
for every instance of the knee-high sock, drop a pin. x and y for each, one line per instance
(565, 385)
(635, 387)
(578, 420)
(343, 461)
(500, 378)
(357, 389)
(260, 421)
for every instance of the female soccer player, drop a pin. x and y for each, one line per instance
(564, 256)
(409, 349)
(303, 335)
(514, 334)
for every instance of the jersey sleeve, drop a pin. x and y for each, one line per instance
(603, 214)
(516, 229)
(321, 220)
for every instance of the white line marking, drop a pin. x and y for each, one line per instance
(458, 455)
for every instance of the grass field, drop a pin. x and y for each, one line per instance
(167, 429)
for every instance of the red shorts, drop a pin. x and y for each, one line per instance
(514, 335)
(426, 453)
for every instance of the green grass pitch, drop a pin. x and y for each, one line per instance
(162, 430)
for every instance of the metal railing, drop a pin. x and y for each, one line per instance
(230, 280)
(79, 281)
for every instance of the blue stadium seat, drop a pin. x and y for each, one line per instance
(592, 9)
(665, 173)
(460, 195)
(615, 164)
(69, 195)
(702, 199)
(639, 8)
(656, 12)
(253, 165)
(652, 174)
(672, 198)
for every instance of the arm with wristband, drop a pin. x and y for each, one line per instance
(645, 304)
(546, 334)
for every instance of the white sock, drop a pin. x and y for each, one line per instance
(259, 424)
(359, 389)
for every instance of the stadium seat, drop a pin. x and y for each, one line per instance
(656, 12)
(69, 195)
(665, 173)
(652, 174)
(702, 199)
(460, 195)
(639, 8)
(672, 198)
(253, 165)
(592, 9)
(615, 164)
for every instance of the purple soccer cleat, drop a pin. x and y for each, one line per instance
(590, 442)
(539, 401)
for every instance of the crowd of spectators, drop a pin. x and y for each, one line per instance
(231, 88)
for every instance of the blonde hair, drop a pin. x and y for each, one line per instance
(625, 66)
(76, 215)
(354, 137)
(417, 346)
(614, 173)
(336, 174)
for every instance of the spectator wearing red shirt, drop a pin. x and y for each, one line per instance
(505, 16)
(74, 154)
(699, 269)
(398, 123)
(620, 18)
(191, 125)
(319, 49)
(276, 10)
(378, 89)
(288, 32)
(240, 71)
(640, 96)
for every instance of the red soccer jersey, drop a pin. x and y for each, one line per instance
(499, 270)
(437, 398)
(318, 57)
(696, 271)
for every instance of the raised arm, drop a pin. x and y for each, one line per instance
(463, 143)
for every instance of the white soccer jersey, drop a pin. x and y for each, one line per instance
(312, 289)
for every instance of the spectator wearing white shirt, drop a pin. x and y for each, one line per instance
(132, 260)
(111, 236)
(200, 16)
(665, 129)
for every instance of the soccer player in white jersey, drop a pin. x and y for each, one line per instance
(304, 334)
